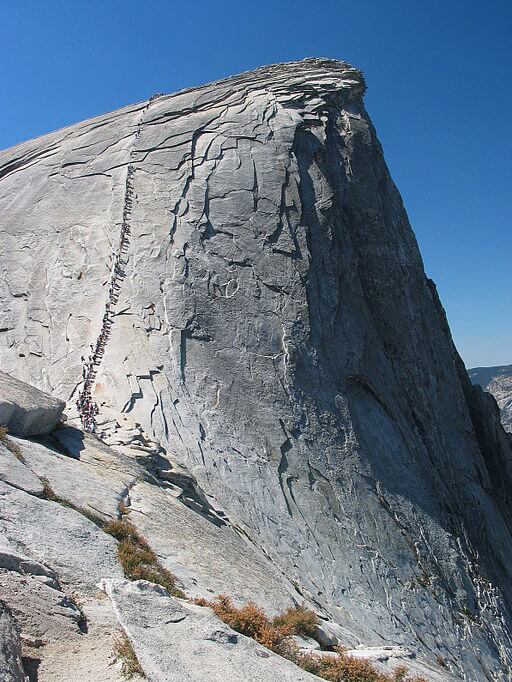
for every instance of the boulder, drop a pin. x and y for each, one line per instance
(380, 653)
(306, 644)
(25, 410)
(330, 634)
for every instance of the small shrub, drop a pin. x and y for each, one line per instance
(121, 530)
(137, 559)
(344, 668)
(133, 555)
(400, 674)
(123, 651)
(340, 668)
(441, 661)
(298, 620)
(9, 444)
(251, 621)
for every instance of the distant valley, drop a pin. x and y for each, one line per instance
(498, 381)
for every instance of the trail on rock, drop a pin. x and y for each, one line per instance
(87, 407)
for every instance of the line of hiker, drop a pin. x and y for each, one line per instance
(87, 408)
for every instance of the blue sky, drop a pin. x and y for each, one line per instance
(439, 93)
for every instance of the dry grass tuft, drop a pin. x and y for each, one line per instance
(123, 509)
(138, 560)
(298, 620)
(123, 651)
(400, 674)
(10, 445)
(251, 621)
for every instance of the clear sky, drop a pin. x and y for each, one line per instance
(439, 76)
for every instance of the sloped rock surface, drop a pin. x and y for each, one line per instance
(89, 659)
(72, 545)
(498, 382)
(15, 472)
(174, 640)
(52, 555)
(208, 558)
(98, 483)
(273, 330)
(31, 591)
(42, 611)
(25, 410)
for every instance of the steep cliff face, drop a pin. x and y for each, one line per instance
(273, 329)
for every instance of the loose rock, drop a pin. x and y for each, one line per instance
(25, 410)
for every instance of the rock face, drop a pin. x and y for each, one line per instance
(208, 559)
(178, 641)
(498, 382)
(245, 259)
(25, 410)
